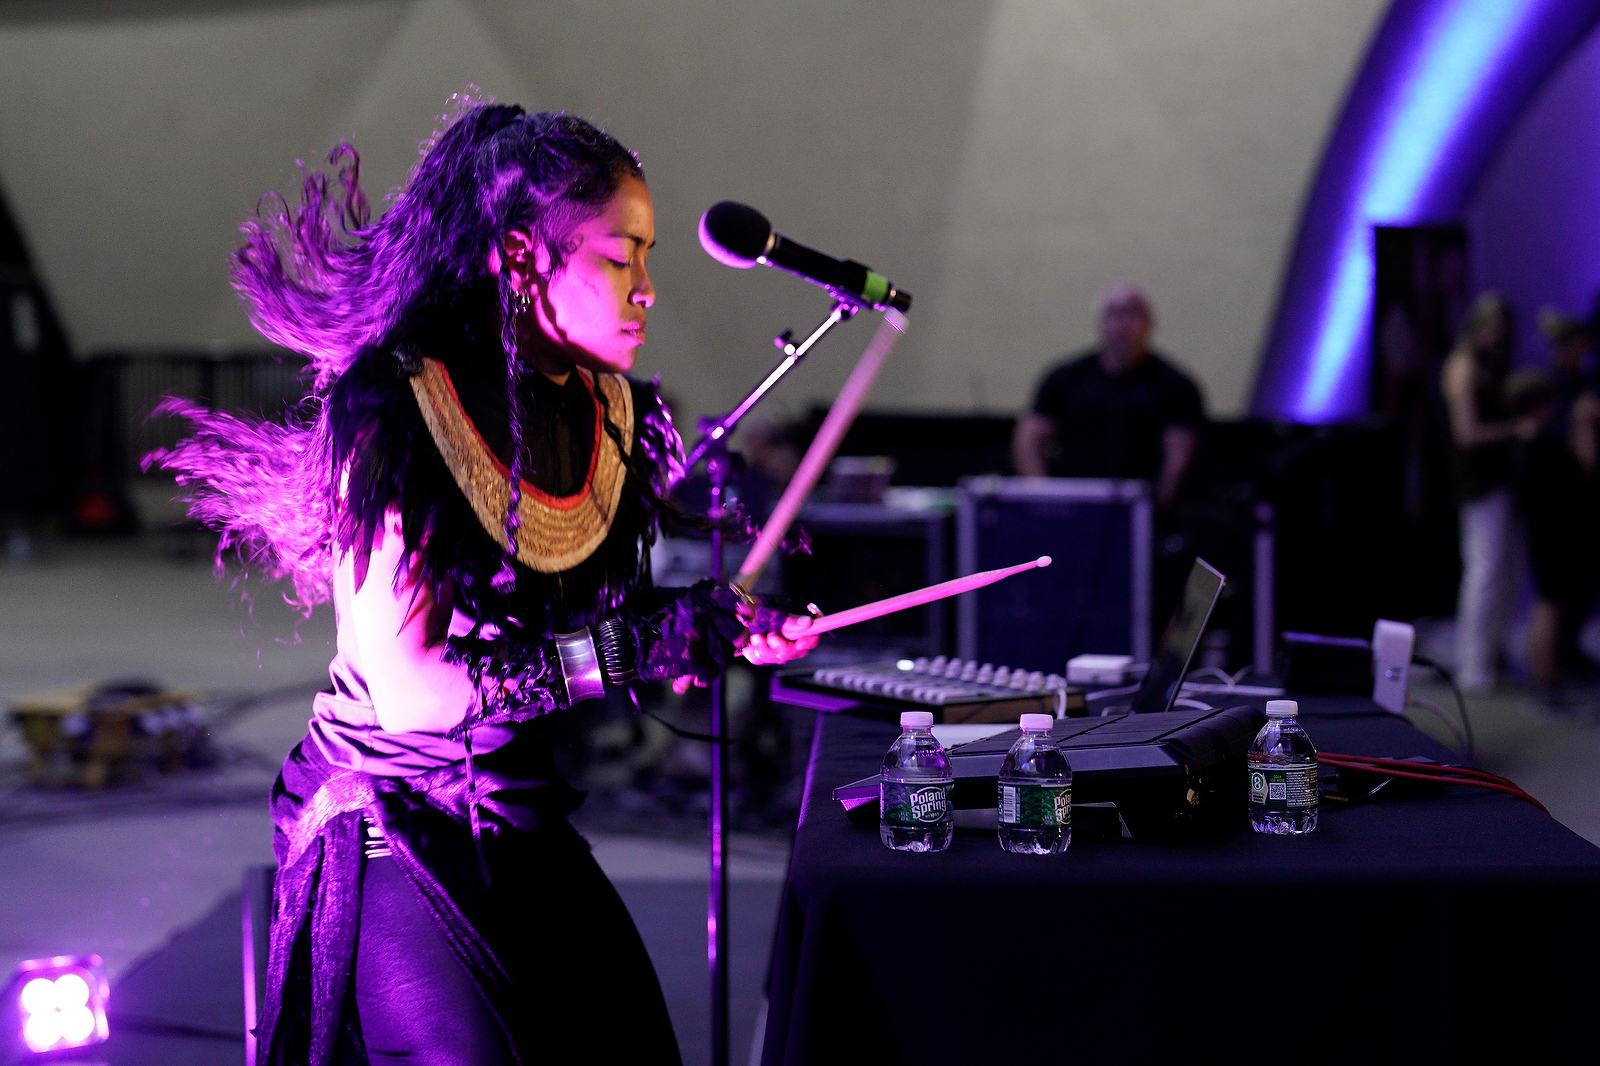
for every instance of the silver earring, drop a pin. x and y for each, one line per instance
(521, 303)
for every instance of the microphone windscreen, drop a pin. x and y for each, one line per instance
(733, 234)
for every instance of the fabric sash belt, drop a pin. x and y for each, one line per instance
(318, 891)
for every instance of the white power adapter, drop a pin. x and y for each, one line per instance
(1111, 670)
(1392, 646)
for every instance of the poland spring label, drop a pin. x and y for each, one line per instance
(914, 805)
(1036, 806)
(1283, 788)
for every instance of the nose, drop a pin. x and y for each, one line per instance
(644, 293)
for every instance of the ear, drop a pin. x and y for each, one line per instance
(527, 259)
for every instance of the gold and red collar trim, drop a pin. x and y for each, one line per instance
(554, 533)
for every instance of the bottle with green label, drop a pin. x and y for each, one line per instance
(1283, 774)
(1035, 800)
(915, 812)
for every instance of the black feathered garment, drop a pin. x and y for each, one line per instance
(546, 940)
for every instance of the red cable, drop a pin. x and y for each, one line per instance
(1443, 777)
(1425, 767)
(1377, 765)
(1443, 772)
(1439, 779)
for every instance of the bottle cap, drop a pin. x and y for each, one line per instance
(916, 719)
(1282, 708)
(1037, 723)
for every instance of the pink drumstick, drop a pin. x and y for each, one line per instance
(921, 596)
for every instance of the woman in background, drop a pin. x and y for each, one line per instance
(1483, 432)
(475, 485)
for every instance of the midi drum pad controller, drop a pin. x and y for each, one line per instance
(956, 690)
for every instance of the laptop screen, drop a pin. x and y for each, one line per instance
(1172, 656)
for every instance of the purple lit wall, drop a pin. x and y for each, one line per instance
(1535, 214)
(1442, 84)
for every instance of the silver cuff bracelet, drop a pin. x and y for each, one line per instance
(580, 666)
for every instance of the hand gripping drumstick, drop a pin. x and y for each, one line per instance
(921, 596)
(840, 415)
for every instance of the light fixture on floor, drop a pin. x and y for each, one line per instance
(60, 1003)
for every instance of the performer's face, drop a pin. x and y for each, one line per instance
(593, 309)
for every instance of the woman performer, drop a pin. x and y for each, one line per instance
(475, 484)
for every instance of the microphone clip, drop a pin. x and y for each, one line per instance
(844, 309)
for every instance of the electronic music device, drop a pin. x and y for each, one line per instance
(1167, 772)
(955, 690)
(1316, 663)
(961, 690)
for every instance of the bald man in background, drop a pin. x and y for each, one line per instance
(1116, 411)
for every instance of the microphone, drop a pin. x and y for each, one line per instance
(739, 236)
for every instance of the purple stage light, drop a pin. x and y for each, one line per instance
(61, 1003)
(1441, 86)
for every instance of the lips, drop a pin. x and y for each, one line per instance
(636, 332)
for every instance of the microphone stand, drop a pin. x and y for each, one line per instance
(713, 448)
(714, 431)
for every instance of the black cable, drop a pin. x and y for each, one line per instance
(1461, 703)
(686, 734)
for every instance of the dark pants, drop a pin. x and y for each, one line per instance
(592, 994)
(416, 1002)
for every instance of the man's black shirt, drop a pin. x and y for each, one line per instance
(1110, 425)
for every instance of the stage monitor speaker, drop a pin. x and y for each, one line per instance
(1095, 596)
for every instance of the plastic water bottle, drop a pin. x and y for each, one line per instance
(1035, 792)
(1283, 774)
(915, 812)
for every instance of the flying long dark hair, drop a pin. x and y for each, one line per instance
(325, 280)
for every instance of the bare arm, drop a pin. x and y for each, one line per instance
(1028, 441)
(400, 629)
(1465, 426)
(1178, 445)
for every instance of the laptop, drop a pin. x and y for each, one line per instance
(1175, 652)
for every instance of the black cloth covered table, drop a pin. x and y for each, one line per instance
(1459, 928)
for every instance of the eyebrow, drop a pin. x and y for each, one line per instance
(635, 238)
